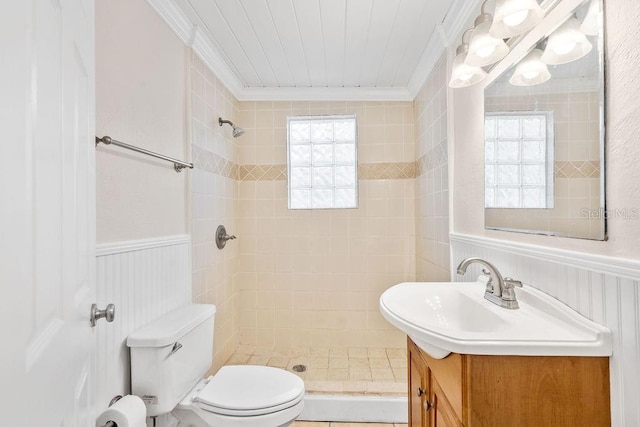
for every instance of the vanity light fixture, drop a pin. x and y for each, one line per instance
(513, 17)
(530, 71)
(566, 44)
(463, 74)
(591, 23)
(484, 49)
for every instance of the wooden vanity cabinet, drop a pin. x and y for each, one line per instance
(507, 391)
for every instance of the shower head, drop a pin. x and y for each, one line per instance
(237, 130)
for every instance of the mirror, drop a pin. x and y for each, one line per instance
(544, 136)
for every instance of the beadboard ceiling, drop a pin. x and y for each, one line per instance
(315, 49)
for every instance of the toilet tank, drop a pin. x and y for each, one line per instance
(170, 355)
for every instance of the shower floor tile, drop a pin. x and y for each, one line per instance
(374, 371)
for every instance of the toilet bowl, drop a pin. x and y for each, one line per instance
(169, 358)
(243, 395)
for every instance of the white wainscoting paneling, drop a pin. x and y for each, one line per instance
(144, 279)
(603, 289)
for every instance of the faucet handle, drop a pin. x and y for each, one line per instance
(511, 283)
(489, 286)
(508, 292)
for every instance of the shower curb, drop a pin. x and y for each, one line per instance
(354, 408)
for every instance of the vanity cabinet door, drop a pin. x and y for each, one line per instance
(441, 413)
(506, 391)
(418, 388)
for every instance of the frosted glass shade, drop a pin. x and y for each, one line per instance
(566, 44)
(531, 70)
(591, 23)
(485, 49)
(513, 17)
(463, 74)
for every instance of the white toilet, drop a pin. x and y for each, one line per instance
(169, 358)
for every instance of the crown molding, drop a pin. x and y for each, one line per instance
(203, 47)
(442, 37)
(194, 37)
(174, 17)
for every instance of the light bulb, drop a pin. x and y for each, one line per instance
(516, 18)
(530, 71)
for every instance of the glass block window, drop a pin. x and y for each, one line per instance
(518, 158)
(322, 166)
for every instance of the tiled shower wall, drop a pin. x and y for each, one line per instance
(214, 202)
(312, 278)
(306, 278)
(432, 184)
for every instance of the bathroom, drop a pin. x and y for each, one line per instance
(295, 286)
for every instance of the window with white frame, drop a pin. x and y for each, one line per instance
(519, 160)
(322, 162)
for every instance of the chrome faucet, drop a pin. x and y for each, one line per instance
(499, 291)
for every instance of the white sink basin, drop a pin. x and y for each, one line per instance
(446, 317)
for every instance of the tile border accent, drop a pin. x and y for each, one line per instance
(577, 169)
(262, 173)
(400, 170)
(434, 158)
(213, 163)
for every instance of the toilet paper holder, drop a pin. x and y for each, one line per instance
(114, 400)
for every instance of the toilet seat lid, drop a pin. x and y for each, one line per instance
(249, 388)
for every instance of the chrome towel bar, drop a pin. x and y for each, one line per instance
(178, 165)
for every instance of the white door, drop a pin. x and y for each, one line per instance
(47, 213)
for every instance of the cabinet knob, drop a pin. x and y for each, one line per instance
(420, 392)
(427, 405)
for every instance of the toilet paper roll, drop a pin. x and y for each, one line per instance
(129, 411)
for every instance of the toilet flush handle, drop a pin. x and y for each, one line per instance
(177, 346)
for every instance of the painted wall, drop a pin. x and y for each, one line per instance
(432, 181)
(141, 94)
(314, 277)
(140, 100)
(622, 154)
(214, 194)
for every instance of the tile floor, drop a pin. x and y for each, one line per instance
(375, 371)
(335, 424)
